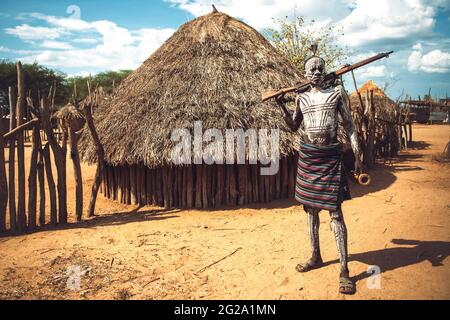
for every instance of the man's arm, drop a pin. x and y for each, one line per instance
(293, 122)
(349, 127)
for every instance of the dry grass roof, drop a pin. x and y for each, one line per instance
(385, 107)
(213, 69)
(70, 115)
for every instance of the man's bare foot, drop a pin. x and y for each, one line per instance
(346, 286)
(310, 265)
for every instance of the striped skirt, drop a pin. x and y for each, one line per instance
(321, 182)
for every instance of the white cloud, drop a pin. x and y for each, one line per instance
(112, 47)
(381, 20)
(86, 40)
(435, 61)
(374, 72)
(259, 13)
(49, 44)
(27, 32)
(363, 21)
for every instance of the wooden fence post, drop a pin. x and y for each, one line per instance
(41, 179)
(74, 155)
(87, 110)
(3, 185)
(21, 103)
(12, 162)
(32, 178)
(51, 184)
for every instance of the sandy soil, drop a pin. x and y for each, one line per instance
(401, 223)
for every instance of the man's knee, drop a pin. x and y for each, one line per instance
(337, 215)
(311, 210)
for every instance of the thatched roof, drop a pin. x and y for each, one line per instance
(70, 115)
(213, 69)
(385, 107)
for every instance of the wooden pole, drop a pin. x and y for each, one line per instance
(3, 186)
(41, 179)
(51, 185)
(87, 110)
(242, 184)
(219, 185)
(32, 180)
(198, 186)
(59, 157)
(12, 162)
(190, 187)
(205, 170)
(133, 185)
(21, 102)
(75, 156)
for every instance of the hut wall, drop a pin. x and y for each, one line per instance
(199, 186)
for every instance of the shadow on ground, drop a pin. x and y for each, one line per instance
(410, 253)
(113, 219)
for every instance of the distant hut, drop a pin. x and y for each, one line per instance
(70, 116)
(387, 118)
(213, 69)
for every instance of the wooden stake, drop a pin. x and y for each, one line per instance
(51, 185)
(12, 163)
(87, 110)
(220, 181)
(21, 101)
(41, 179)
(74, 155)
(190, 187)
(3, 185)
(198, 185)
(32, 180)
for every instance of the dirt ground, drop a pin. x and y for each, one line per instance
(400, 223)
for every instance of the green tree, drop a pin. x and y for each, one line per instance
(294, 38)
(105, 79)
(38, 80)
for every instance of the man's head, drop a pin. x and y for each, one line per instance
(315, 70)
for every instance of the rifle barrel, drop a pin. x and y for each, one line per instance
(275, 93)
(363, 63)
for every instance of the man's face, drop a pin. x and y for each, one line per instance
(315, 71)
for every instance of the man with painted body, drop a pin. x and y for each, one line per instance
(321, 184)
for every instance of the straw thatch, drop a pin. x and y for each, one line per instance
(213, 69)
(71, 116)
(387, 118)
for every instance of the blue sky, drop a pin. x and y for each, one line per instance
(86, 37)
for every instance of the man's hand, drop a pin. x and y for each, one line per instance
(281, 101)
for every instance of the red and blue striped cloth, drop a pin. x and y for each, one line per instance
(321, 183)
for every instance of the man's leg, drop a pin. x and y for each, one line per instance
(340, 234)
(313, 228)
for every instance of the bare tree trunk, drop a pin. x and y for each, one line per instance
(51, 185)
(73, 137)
(21, 102)
(12, 162)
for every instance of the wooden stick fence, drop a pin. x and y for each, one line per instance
(199, 186)
(26, 215)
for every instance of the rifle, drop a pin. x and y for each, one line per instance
(269, 94)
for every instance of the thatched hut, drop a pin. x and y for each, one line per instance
(213, 69)
(70, 116)
(387, 118)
